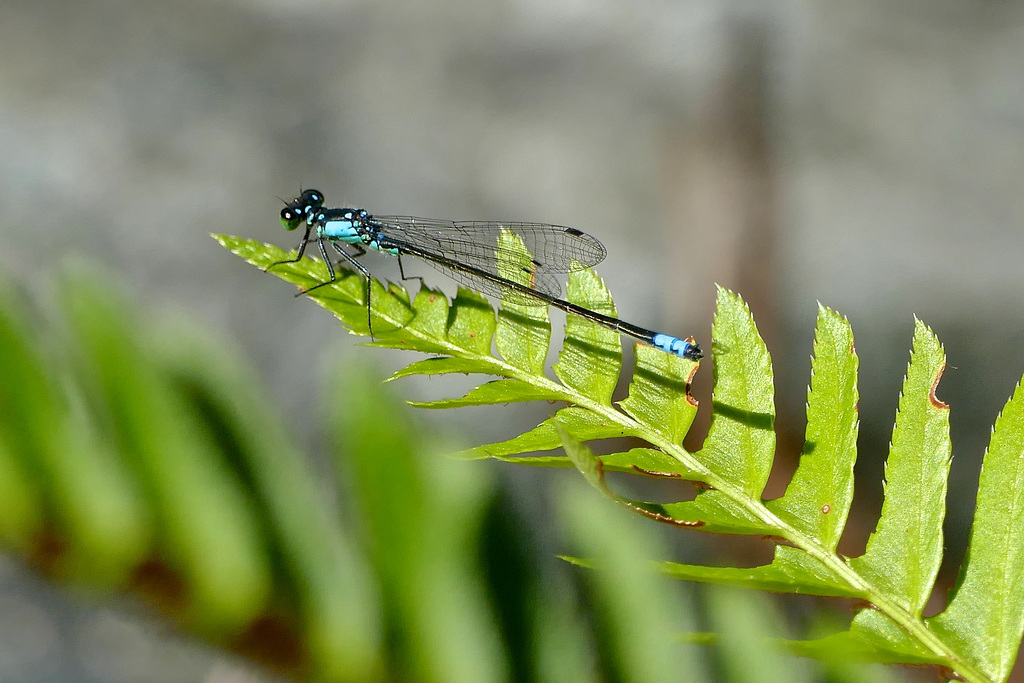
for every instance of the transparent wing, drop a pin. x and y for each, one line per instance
(555, 250)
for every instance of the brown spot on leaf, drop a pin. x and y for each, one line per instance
(826, 508)
(656, 473)
(659, 517)
(931, 394)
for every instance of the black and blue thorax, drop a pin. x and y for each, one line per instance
(352, 226)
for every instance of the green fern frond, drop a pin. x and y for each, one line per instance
(976, 637)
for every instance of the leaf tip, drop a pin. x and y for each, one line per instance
(925, 336)
(725, 294)
(927, 345)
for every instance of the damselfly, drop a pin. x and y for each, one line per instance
(471, 253)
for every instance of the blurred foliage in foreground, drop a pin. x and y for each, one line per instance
(148, 461)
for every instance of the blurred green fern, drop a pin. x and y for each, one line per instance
(148, 459)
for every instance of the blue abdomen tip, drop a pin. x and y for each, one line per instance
(677, 346)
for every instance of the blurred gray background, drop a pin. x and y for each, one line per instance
(866, 155)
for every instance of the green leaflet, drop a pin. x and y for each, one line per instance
(524, 332)
(740, 446)
(647, 461)
(591, 356)
(818, 497)
(429, 323)
(904, 552)
(471, 323)
(443, 366)
(659, 394)
(719, 513)
(791, 572)
(583, 424)
(984, 616)
(497, 392)
(861, 646)
(651, 462)
(741, 442)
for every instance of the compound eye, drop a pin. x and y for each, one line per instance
(292, 217)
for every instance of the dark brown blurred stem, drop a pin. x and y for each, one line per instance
(720, 191)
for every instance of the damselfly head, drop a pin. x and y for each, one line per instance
(301, 208)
